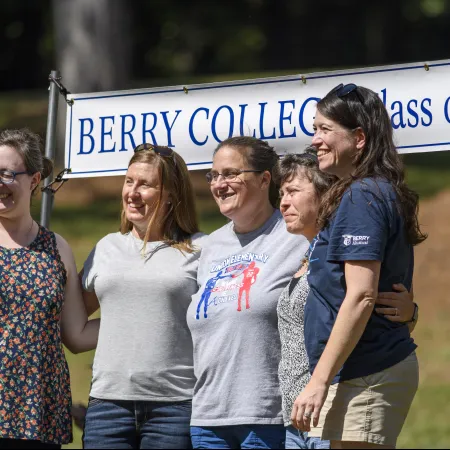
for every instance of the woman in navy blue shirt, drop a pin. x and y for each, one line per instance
(364, 368)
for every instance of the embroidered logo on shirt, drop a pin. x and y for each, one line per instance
(349, 239)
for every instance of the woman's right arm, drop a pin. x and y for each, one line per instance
(89, 298)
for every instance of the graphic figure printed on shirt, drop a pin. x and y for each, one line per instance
(250, 274)
(209, 287)
(231, 280)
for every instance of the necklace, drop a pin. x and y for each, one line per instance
(29, 231)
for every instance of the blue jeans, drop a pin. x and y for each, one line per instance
(135, 425)
(300, 439)
(238, 436)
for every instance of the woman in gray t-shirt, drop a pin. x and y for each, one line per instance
(143, 278)
(243, 268)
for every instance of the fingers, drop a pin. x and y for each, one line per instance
(315, 417)
(386, 299)
(299, 418)
(307, 420)
(294, 415)
(397, 319)
(399, 287)
(401, 293)
(387, 311)
(393, 314)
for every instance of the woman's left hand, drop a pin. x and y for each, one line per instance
(308, 405)
(397, 306)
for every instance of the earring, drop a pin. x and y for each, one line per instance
(169, 203)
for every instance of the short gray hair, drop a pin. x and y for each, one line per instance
(305, 163)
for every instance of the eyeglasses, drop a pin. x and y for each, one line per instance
(8, 176)
(342, 91)
(158, 149)
(227, 175)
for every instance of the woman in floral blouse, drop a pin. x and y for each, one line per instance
(40, 306)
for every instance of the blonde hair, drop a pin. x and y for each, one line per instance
(180, 221)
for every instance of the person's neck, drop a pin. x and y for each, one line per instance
(16, 230)
(310, 234)
(254, 221)
(139, 232)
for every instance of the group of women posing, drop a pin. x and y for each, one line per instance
(264, 334)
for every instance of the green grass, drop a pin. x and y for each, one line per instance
(427, 425)
(428, 181)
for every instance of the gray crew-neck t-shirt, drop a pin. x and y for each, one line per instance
(236, 341)
(144, 351)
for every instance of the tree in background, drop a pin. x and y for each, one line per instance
(93, 44)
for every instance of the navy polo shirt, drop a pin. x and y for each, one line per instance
(366, 226)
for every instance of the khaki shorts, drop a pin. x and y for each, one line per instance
(370, 409)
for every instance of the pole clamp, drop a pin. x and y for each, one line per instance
(59, 179)
(62, 89)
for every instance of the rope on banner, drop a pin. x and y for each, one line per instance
(59, 179)
(62, 89)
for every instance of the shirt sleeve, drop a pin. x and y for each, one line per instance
(192, 259)
(361, 227)
(89, 272)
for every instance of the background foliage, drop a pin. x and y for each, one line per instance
(119, 44)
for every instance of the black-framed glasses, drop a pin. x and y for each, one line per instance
(342, 90)
(227, 174)
(8, 176)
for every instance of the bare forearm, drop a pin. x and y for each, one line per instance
(78, 341)
(347, 331)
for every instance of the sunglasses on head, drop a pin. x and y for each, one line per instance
(166, 152)
(342, 91)
(159, 150)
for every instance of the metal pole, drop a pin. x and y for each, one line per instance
(50, 140)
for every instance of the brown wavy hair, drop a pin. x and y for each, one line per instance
(378, 159)
(30, 147)
(180, 221)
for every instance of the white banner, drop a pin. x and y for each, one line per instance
(103, 128)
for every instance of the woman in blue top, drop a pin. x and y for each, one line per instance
(364, 368)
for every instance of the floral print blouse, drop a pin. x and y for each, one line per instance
(35, 397)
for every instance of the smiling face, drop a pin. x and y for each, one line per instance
(15, 197)
(238, 199)
(299, 205)
(336, 146)
(140, 194)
